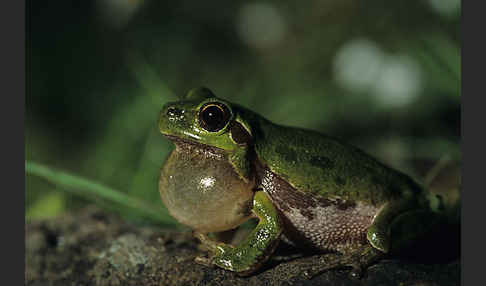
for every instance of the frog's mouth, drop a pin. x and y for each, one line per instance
(178, 140)
(186, 144)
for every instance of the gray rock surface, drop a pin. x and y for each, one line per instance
(92, 247)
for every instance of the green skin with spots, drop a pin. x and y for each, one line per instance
(319, 165)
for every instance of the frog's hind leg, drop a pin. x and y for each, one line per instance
(423, 234)
(379, 232)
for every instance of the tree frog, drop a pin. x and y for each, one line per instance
(308, 189)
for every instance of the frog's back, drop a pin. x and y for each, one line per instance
(323, 166)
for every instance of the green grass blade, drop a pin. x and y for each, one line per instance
(89, 188)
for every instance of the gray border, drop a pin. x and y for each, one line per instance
(472, 192)
(12, 59)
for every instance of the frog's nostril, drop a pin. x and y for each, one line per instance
(174, 112)
(171, 111)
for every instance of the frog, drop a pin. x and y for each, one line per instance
(303, 187)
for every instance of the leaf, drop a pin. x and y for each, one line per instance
(93, 190)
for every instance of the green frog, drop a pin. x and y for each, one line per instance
(303, 187)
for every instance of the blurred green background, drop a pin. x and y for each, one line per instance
(382, 75)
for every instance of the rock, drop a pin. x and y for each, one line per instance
(92, 247)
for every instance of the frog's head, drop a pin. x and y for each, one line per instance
(201, 117)
(197, 192)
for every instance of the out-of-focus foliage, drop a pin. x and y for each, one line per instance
(383, 75)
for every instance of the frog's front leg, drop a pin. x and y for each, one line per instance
(250, 254)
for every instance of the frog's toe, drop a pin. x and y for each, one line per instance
(379, 239)
(204, 261)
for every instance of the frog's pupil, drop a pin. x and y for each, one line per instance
(213, 117)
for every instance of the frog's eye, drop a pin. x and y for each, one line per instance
(214, 116)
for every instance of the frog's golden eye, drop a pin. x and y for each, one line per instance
(214, 116)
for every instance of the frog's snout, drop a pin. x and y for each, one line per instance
(172, 112)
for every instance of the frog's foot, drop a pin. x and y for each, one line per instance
(237, 259)
(217, 251)
(206, 261)
(358, 261)
(209, 244)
